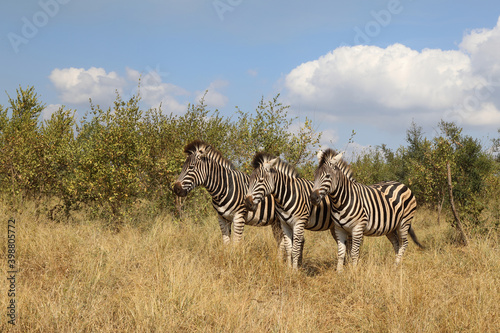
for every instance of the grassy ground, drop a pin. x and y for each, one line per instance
(178, 277)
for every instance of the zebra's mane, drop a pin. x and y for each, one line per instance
(282, 167)
(328, 155)
(196, 145)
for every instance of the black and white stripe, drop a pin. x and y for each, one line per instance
(205, 166)
(273, 176)
(385, 208)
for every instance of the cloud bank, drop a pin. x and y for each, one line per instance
(78, 85)
(382, 85)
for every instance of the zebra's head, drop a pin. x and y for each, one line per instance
(326, 175)
(261, 182)
(194, 170)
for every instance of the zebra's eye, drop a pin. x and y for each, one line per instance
(191, 166)
(328, 176)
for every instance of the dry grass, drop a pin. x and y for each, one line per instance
(178, 277)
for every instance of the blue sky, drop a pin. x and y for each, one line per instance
(368, 66)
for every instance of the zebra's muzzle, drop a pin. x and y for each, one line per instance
(315, 197)
(250, 204)
(178, 190)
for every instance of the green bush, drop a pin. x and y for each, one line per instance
(120, 161)
(121, 158)
(422, 166)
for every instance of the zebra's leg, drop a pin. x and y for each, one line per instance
(297, 244)
(357, 240)
(302, 250)
(403, 243)
(280, 239)
(287, 241)
(348, 244)
(225, 228)
(394, 239)
(238, 226)
(349, 247)
(334, 235)
(341, 235)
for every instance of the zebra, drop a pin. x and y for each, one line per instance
(385, 208)
(273, 176)
(205, 166)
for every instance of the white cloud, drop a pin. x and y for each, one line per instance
(483, 45)
(396, 77)
(488, 114)
(77, 85)
(377, 85)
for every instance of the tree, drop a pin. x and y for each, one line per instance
(111, 155)
(270, 129)
(470, 167)
(267, 130)
(374, 165)
(59, 159)
(22, 148)
(422, 165)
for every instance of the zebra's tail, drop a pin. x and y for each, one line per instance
(414, 237)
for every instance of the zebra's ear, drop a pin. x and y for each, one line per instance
(203, 151)
(319, 155)
(270, 164)
(337, 158)
(273, 162)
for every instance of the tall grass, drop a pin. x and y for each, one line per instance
(171, 276)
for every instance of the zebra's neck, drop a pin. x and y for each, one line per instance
(342, 194)
(285, 188)
(220, 180)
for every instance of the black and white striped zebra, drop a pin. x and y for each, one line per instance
(385, 208)
(205, 166)
(273, 176)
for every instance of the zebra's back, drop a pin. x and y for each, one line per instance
(295, 204)
(387, 205)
